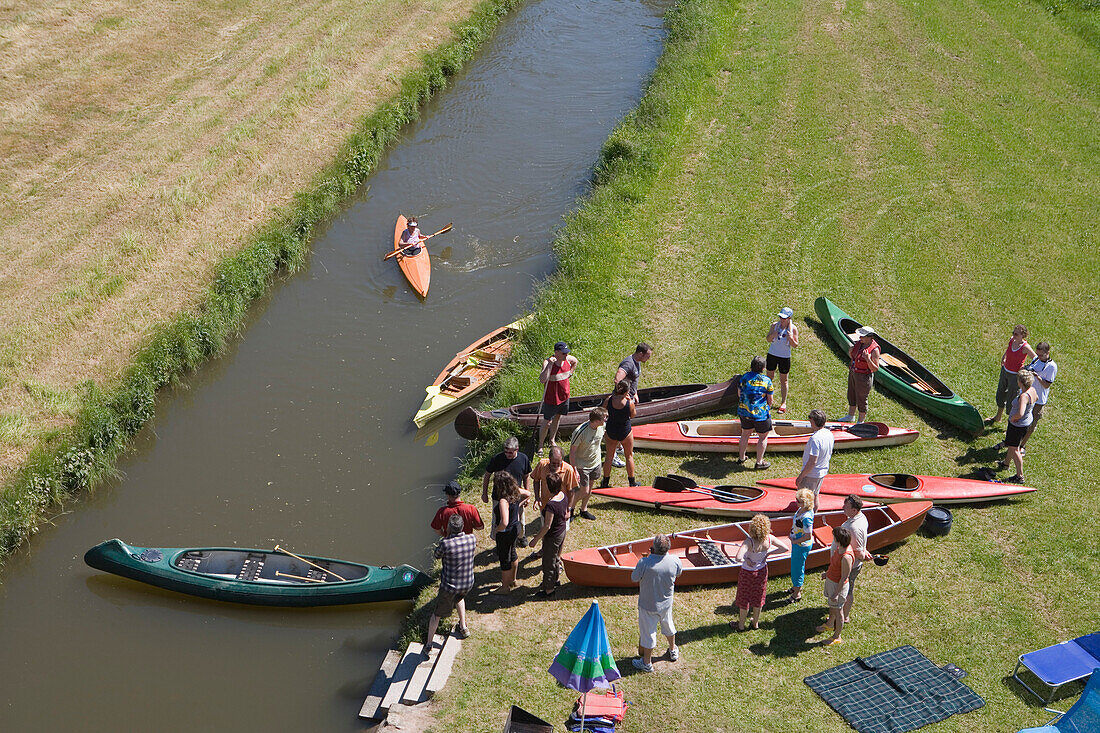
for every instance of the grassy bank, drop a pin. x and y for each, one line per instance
(136, 244)
(933, 169)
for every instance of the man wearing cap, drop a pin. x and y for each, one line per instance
(861, 373)
(411, 238)
(471, 517)
(555, 374)
(630, 369)
(781, 337)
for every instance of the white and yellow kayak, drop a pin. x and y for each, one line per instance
(469, 372)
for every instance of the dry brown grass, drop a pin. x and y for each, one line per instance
(142, 142)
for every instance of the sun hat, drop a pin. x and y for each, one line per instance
(562, 347)
(786, 312)
(864, 331)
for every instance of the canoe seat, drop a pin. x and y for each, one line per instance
(714, 552)
(823, 536)
(190, 561)
(252, 567)
(627, 559)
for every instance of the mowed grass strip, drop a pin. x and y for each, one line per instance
(144, 142)
(932, 168)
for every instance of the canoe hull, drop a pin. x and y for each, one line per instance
(943, 403)
(723, 436)
(610, 567)
(771, 501)
(940, 489)
(418, 268)
(161, 570)
(655, 404)
(490, 351)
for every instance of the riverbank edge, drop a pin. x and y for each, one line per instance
(628, 164)
(79, 458)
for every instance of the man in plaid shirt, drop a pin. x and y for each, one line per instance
(457, 551)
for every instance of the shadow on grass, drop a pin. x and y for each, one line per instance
(1069, 690)
(716, 466)
(944, 430)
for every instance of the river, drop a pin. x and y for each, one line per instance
(301, 434)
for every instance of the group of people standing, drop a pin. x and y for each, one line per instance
(1022, 391)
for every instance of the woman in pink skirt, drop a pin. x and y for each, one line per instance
(752, 583)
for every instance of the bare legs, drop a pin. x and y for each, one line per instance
(433, 622)
(782, 388)
(761, 446)
(550, 427)
(628, 449)
(745, 615)
(646, 653)
(835, 623)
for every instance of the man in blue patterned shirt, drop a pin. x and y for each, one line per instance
(754, 393)
(457, 551)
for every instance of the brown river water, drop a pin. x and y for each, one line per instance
(302, 434)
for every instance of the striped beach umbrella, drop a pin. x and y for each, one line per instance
(585, 660)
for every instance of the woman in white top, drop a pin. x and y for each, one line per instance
(1019, 420)
(781, 337)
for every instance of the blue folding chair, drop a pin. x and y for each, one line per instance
(1060, 664)
(1083, 717)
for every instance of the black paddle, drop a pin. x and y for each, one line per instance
(671, 484)
(860, 430)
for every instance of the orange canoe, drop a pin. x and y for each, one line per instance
(417, 267)
(707, 554)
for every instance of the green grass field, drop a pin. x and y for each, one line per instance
(931, 167)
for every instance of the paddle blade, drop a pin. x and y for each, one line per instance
(687, 483)
(666, 483)
(868, 429)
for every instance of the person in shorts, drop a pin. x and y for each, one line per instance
(836, 583)
(1045, 371)
(584, 456)
(815, 456)
(782, 336)
(508, 498)
(754, 395)
(457, 551)
(556, 371)
(656, 575)
(1020, 419)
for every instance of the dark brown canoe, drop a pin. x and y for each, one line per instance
(655, 404)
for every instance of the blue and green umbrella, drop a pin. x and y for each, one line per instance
(585, 660)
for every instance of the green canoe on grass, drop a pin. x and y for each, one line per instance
(907, 378)
(259, 577)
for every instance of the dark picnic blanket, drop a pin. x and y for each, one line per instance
(893, 692)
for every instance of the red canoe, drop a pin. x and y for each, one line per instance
(890, 487)
(708, 559)
(717, 501)
(418, 267)
(722, 436)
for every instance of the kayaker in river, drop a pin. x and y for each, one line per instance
(861, 373)
(411, 238)
(782, 336)
(556, 371)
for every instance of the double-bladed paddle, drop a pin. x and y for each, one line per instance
(396, 252)
(676, 484)
(860, 430)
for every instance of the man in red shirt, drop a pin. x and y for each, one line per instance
(471, 517)
(555, 374)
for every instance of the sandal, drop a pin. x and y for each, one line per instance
(762, 466)
(781, 410)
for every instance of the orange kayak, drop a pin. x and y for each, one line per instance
(417, 268)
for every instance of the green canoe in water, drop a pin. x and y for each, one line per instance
(259, 577)
(902, 374)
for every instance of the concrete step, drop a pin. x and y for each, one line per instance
(443, 666)
(401, 676)
(414, 691)
(372, 705)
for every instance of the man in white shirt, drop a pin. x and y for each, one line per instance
(816, 456)
(1045, 371)
(856, 524)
